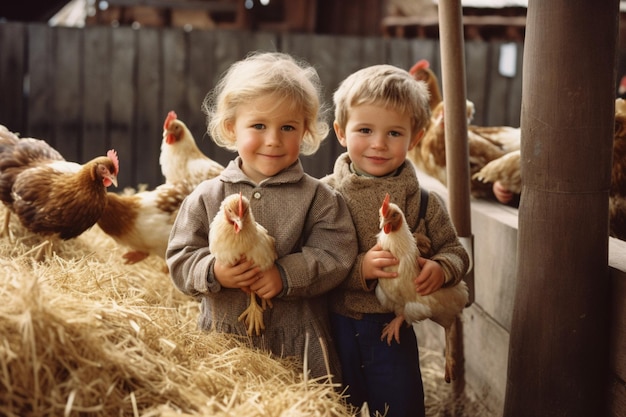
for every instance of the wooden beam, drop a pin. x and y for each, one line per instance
(559, 340)
(209, 6)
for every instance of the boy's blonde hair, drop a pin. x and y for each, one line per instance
(261, 74)
(387, 86)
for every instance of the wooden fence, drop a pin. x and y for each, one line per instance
(90, 89)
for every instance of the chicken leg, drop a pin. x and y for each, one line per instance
(41, 252)
(5, 227)
(451, 351)
(392, 329)
(253, 315)
(132, 257)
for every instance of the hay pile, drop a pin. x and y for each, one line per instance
(84, 334)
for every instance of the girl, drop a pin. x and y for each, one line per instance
(267, 108)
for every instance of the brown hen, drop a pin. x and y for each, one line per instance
(51, 196)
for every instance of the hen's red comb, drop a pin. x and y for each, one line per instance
(113, 157)
(421, 64)
(170, 117)
(240, 205)
(385, 207)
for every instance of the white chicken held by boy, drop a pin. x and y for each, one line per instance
(235, 234)
(399, 295)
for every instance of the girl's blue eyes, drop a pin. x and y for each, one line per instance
(286, 128)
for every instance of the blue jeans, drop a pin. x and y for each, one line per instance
(375, 372)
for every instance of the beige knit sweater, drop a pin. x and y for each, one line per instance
(364, 195)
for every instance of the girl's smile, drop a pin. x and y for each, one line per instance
(269, 132)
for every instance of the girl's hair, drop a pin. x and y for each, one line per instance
(261, 74)
(387, 86)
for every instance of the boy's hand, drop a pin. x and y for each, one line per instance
(375, 260)
(240, 275)
(431, 278)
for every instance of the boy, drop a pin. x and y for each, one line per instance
(380, 114)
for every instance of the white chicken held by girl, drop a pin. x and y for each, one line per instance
(234, 234)
(399, 295)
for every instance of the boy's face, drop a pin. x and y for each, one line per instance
(377, 138)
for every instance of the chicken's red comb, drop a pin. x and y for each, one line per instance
(240, 205)
(170, 117)
(421, 64)
(385, 207)
(113, 157)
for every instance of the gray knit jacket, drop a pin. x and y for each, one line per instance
(364, 196)
(316, 245)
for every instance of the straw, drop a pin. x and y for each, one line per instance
(84, 334)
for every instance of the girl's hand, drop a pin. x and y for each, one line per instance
(268, 284)
(431, 278)
(240, 275)
(375, 260)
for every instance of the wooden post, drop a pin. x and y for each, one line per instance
(457, 153)
(559, 339)
(454, 97)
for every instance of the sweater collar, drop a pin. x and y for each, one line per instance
(234, 173)
(354, 170)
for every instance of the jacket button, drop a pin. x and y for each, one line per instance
(257, 195)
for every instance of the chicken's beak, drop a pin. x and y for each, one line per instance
(237, 225)
(384, 225)
(238, 221)
(110, 180)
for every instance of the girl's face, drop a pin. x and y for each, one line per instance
(377, 138)
(268, 136)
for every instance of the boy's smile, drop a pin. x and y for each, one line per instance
(377, 138)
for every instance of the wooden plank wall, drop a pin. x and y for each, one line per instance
(87, 90)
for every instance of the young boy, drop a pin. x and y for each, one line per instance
(380, 114)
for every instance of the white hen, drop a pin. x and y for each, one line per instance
(234, 233)
(181, 159)
(399, 295)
